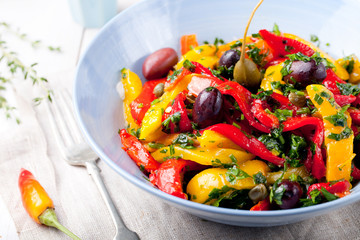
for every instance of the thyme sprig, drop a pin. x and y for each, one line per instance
(24, 37)
(15, 68)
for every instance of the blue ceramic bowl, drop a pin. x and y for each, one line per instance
(150, 25)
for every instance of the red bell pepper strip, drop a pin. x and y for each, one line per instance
(268, 119)
(200, 82)
(318, 166)
(243, 97)
(284, 102)
(355, 173)
(137, 152)
(356, 102)
(168, 177)
(330, 83)
(232, 116)
(355, 115)
(143, 102)
(38, 204)
(343, 100)
(263, 205)
(184, 124)
(282, 46)
(200, 69)
(248, 143)
(338, 187)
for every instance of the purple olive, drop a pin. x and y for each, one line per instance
(207, 108)
(159, 63)
(291, 195)
(229, 58)
(306, 73)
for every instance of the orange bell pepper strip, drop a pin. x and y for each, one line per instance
(38, 204)
(188, 42)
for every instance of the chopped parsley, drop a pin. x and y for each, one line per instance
(189, 65)
(156, 145)
(174, 118)
(339, 119)
(174, 76)
(233, 174)
(340, 136)
(349, 64)
(259, 178)
(184, 141)
(318, 99)
(276, 30)
(348, 89)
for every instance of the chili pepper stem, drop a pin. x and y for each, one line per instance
(48, 218)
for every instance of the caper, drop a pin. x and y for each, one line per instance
(159, 90)
(258, 193)
(297, 98)
(247, 74)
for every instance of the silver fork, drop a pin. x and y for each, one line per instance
(78, 153)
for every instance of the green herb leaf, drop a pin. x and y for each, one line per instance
(259, 178)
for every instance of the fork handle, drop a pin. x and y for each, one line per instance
(120, 226)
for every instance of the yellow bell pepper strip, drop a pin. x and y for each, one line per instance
(211, 139)
(203, 156)
(202, 184)
(152, 119)
(298, 171)
(142, 103)
(339, 69)
(352, 65)
(132, 87)
(38, 204)
(338, 135)
(208, 61)
(196, 54)
(272, 75)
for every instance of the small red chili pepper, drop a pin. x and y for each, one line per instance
(143, 102)
(336, 188)
(282, 46)
(184, 124)
(243, 97)
(248, 143)
(38, 204)
(263, 205)
(138, 152)
(318, 166)
(169, 177)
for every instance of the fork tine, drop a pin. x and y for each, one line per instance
(67, 109)
(56, 129)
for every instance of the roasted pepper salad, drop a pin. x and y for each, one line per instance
(275, 130)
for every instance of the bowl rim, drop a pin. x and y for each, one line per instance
(341, 202)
